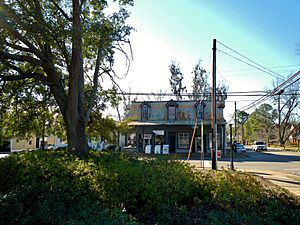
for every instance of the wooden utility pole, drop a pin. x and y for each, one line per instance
(279, 118)
(214, 111)
(235, 127)
(231, 149)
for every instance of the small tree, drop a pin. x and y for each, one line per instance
(287, 101)
(200, 87)
(241, 117)
(176, 80)
(261, 123)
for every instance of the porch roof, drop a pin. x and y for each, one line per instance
(171, 123)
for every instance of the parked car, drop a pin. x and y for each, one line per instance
(113, 147)
(259, 146)
(50, 146)
(239, 148)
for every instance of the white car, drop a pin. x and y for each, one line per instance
(259, 146)
(50, 146)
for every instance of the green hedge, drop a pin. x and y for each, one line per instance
(54, 187)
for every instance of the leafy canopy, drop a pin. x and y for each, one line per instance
(65, 46)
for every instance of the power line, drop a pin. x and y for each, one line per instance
(263, 98)
(255, 63)
(291, 84)
(240, 60)
(248, 70)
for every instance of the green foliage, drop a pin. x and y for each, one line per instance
(176, 80)
(40, 205)
(261, 124)
(201, 88)
(54, 187)
(67, 48)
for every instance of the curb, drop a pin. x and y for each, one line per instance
(283, 180)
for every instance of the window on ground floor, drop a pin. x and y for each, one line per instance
(183, 140)
(131, 140)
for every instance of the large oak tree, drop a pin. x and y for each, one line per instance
(65, 45)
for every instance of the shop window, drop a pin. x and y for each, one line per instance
(131, 140)
(183, 140)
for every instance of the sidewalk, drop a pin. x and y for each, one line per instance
(286, 181)
(283, 180)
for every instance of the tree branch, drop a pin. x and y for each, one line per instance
(7, 26)
(17, 47)
(65, 15)
(95, 84)
(20, 58)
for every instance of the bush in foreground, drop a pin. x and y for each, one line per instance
(53, 187)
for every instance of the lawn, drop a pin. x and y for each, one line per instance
(54, 187)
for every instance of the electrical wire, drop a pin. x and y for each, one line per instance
(263, 69)
(255, 63)
(249, 70)
(242, 93)
(272, 93)
(256, 67)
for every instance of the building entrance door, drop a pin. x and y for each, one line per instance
(172, 141)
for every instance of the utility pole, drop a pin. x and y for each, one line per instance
(235, 120)
(231, 149)
(279, 121)
(279, 116)
(214, 110)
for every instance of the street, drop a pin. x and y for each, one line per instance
(287, 162)
(280, 167)
(271, 160)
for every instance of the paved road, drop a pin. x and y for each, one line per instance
(272, 160)
(280, 167)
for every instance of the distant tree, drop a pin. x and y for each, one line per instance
(27, 113)
(241, 117)
(287, 105)
(221, 93)
(260, 124)
(63, 45)
(176, 80)
(201, 89)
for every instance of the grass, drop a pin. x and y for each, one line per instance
(54, 187)
(286, 148)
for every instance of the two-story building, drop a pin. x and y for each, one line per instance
(172, 123)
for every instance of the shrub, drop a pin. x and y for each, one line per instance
(39, 205)
(54, 187)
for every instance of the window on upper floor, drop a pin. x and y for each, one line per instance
(200, 105)
(145, 111)
(172, 112)
(171, 105)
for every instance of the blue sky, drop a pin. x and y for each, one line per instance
(266, 31)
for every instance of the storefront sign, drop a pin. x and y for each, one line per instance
(159, 132)
(147, 136)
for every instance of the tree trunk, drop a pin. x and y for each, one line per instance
(76, 136)
(74, 117)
